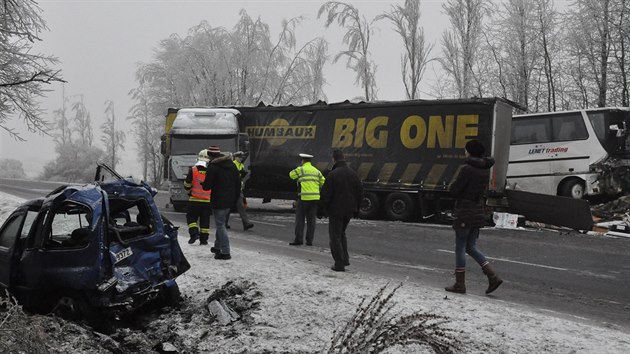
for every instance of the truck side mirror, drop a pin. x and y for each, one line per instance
(243, 142)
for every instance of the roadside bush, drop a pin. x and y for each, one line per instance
(19, 333)
(374, 329)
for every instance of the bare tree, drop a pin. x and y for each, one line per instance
(406, 21)
(64, 134)
(620, 42)
(83, 123)
(546, 25)
(357, 38)
(112, 139)
(23, 73)
(317, 57)
(147, 129)
(461, 43)
(590, 41)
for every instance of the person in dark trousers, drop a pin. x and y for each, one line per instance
(469, 190)
(341, 197)
(223, 180)
(239, 157)
(198, 209)
(310, 180)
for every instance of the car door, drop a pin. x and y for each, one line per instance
(9, 233)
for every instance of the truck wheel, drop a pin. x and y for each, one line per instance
(399, 206)
(573, 188)
(369, 206)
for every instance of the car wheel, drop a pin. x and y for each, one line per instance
(573, 188)
(370, 205)
(171, 296)
(74, 306)
(399, 206)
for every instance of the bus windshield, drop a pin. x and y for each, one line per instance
(611, 128)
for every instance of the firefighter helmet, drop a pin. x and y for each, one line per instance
(203, 155)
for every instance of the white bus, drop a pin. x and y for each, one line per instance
(572, 153)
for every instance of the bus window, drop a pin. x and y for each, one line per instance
(531, 130)
(569, 127)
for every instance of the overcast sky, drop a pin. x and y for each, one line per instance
(100, 42)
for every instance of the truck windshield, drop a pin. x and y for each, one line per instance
(214, 120)
(187, 145)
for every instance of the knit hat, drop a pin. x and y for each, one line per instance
(475, 148)
(214, 150)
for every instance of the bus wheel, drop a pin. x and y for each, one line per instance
(399, 206)
(573, 188)
(369, 206)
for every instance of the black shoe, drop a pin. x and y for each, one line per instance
(193, 239)
(337, 269)
(227, 226)
(248, 226)
(347, 264)
(215, 250)
(295, 243)
(224, 256)
(203, 242)
(309, 243)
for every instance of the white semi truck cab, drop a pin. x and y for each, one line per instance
(190, 130)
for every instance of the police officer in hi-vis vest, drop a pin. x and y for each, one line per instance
(198, 201)
(310, 181)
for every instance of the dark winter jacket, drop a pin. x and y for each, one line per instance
(223, 179)
(469, 189)
(342, 191)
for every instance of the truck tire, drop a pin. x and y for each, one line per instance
(369, 206)
(399, 206)
(572, 188)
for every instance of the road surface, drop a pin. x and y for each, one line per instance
(566, 273)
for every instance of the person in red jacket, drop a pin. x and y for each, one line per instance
(469, 190)
(198, 211)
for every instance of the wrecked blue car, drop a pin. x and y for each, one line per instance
(101, 248)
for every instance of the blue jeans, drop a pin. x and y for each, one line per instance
(222, 242)
(466, 242)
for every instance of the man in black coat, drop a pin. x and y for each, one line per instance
(469, 189)
(341, 197)
(223, 179)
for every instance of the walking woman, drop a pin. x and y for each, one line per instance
(469, 191)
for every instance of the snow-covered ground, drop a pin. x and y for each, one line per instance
(301, 304)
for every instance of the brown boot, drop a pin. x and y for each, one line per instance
(493, 279)
(460, 283)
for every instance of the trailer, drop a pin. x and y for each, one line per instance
(406, 152)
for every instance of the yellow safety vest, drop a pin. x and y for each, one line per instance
(309, 179)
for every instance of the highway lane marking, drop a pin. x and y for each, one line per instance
(517, 262)
(252, 220)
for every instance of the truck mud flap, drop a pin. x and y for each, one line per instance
(553, 210)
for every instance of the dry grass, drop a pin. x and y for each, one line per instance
(18, 332)
(373, 328)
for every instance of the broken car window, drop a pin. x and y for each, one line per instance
(70, 227)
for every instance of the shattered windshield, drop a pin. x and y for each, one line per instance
(612, 130)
